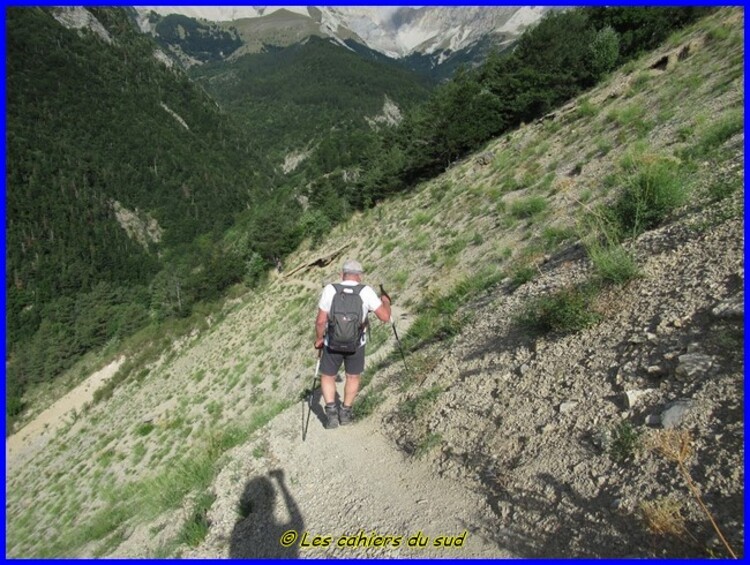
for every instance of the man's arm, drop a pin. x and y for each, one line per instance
(320, 327)
(384, 311)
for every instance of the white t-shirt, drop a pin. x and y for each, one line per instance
(370, 301)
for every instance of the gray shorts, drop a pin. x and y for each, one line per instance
(354, 363)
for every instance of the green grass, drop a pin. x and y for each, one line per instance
(367, 403)
(429, 442)
(723, 188)
(586, 109)
(147, 498)
(553, 236)
(389, 246)
(716, 133)
(566, 311)
(438, 317)
(195, 529)
(613, 264)
(528, 207)
(144, 429)
(625, 442)
(522, 274)
(640, 82)
(653, 188)
(419, 404)
(719, 33)
(631, 117)
(139, 451)
(420, 219)
(604, 146)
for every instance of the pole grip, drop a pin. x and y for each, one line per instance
(384, 293)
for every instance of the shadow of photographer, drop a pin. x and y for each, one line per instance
(258, 531)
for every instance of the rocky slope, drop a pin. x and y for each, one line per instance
(532, 444)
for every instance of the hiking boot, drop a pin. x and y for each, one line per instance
(345, 415)
(332, 417)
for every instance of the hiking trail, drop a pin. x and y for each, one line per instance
(346, 485)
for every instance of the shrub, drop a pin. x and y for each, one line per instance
(653, 188)
(663, 516)
(522, 274)
(144, 429)
(613, 263)
(625, 441)
(566, 311)
(605, 50)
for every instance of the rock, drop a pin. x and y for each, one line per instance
(674, 413)
(653, 420)
(656, 370)
(731, 308)
(633, 396)
(566, 407)
(485, 158)
(692, 365)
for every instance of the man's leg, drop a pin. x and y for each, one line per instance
(329, 367)
(351, 388)
(354, 365)
(328, 388)
(350, 393)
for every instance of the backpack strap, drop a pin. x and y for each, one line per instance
(355, 289)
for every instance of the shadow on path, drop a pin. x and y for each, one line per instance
(258, 532)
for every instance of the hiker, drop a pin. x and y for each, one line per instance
(340, 333)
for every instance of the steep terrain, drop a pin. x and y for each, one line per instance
(535, 443)
(433, 40)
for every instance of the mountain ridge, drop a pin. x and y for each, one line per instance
(431, 32)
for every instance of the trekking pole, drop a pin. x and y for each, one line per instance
(311, 396)
(395, 333)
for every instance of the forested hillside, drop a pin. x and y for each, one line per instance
(311, 94)
(90, 124)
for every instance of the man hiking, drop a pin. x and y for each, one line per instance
(340, 333)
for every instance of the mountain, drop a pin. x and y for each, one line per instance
(433, 40)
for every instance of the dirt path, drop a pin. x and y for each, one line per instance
(33, 436)
(347, 486)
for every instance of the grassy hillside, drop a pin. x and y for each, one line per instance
(143, 457)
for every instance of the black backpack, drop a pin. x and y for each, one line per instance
(345, 324)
